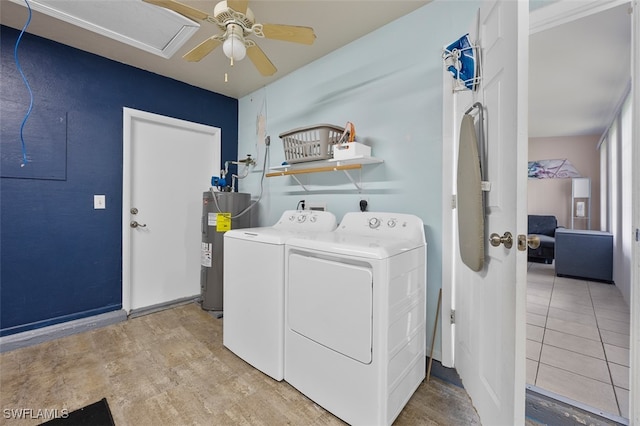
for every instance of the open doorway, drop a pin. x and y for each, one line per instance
(578, 329)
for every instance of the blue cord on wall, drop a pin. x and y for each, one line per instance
(15, 55)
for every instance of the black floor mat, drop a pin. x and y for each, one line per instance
(96, 414)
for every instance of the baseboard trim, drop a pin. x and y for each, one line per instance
(134, 313)
(56, 331)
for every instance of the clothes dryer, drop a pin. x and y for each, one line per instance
(355, 322)
(253, 287)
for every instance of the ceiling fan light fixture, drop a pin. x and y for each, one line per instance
(237, 21)
(234, 48)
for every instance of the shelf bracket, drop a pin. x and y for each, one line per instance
(356, 184)
(299, 183)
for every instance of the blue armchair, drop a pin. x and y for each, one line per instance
(544, 227)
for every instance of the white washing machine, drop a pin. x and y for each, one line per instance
(355, 316)
(253, 287)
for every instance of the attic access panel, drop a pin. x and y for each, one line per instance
(144, 26)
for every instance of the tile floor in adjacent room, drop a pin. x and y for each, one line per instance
(578, 340)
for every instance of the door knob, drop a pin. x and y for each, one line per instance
(506, 239)
(135, 224)
(133, 210)
(532, 241)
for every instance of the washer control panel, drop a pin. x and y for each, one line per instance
(307, 220)
(394, 225)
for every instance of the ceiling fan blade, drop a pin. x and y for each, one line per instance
(182, 9)
(260, 60)
(203, 49)
(238, 5)
(304, 35)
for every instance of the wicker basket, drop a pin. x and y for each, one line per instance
(310, 143)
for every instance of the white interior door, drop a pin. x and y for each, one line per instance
(490, 305)
(167, 164)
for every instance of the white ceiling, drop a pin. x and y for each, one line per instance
(578, 70)
(335, 23)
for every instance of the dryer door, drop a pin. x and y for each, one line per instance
(330, 302)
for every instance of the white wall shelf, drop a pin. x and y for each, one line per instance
(324, 166)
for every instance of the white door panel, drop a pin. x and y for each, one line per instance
(490, 305)
(167, 164)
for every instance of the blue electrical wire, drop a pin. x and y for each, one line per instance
(15, 55)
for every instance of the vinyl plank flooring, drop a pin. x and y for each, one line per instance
(170, 367)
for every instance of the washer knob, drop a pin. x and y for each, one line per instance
(292, 218)
(313, 219)
(391, 223)
(301, 218)
(374, 222)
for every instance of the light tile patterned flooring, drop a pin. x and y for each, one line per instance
(578, 339)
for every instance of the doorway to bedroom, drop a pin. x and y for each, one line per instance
(578, 326)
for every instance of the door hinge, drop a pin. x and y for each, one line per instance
(452, 316)
(637, 234)
(454, 202)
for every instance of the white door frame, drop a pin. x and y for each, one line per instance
(634, 352)
(129, 117)
(565, 11)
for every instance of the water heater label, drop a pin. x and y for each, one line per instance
(211, 219)
(223, 222)
(205, 254)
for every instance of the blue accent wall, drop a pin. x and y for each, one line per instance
(60, 258)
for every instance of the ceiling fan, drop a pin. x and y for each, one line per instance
(236, 19)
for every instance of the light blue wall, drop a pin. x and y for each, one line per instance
(389, 84)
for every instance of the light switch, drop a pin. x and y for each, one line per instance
(99, 202)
